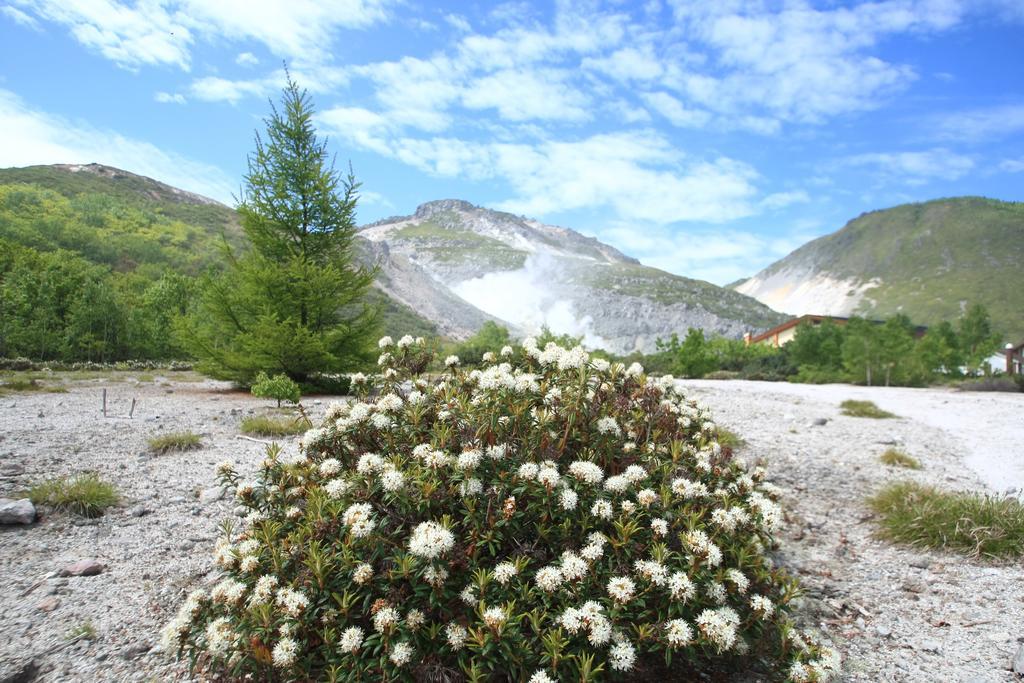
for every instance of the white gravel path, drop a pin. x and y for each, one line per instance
(895, 614)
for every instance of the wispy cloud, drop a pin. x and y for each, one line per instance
(915, 168)
(169, 98)
(163, 32)
(19, 17)
(36, 137)
(978, 125)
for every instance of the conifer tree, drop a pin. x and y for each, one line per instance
(294, 301)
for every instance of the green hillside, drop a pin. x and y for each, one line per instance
(933, 259)
(95, 262)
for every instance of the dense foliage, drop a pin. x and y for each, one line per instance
(548, 517)
(279, 387)
(295, 302)
(893, 352)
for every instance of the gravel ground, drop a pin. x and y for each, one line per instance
(895, 614)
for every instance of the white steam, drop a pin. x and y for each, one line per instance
(526, 298)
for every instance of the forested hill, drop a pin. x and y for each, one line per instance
(112, 217)
(95, 262)
(929, 260)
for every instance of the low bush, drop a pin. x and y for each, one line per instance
(562, 518)
(262, 425)
(997, 383)
(815, 375)
(723, 374)
(85, 495)
(897, 458)
(863, 409)
(176, 441)
(279, 387)
(974, 524)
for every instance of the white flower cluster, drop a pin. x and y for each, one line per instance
(592, 472)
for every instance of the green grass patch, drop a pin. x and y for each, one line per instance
(84, 631)
(969, 523)
(895, 458)
(176, 441)
(261, 425)
(85, 494)
(26, 384)
(864, 409)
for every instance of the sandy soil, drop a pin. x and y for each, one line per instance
(895, 614)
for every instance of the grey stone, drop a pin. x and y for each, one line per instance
(930, 646)
(211, 495)
(177, 499)
(138, 511)
(20, 511)
(920, 563)
(819, 422)
(87, 567)
(134, 650)
(23, 671)
(883, 631)
(1018, 662)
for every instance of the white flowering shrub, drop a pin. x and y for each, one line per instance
(546, 518)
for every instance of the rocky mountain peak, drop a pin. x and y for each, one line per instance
(432, 208)
(153, 189)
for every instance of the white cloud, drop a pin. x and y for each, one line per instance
(539, 94)
(130, 36)
(915, 168)
(1012, 165)
(169, 98)
(720, 256)
(976, 125)
(247, 59)
(674, 111)
(19, 17)
(217, 89)
(797, 63)
(458, 22)
(35, 137)
(163, 31)
(628, 64)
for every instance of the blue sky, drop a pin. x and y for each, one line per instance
(705, 138)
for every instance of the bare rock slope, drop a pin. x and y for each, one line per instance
(460, 264)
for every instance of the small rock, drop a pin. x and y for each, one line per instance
(88, 567)
(920, 563)
(819, 422)
(134, 650)
(930, 646)
(1018, 662)
(48, 604)
(211, 495)
(883, 631)
(19, 511)
(912, 586)
(177, 499)
(138, 511)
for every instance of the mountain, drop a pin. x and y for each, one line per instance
(136, 226)
(446, 269)
(461, 264)
(929, 260)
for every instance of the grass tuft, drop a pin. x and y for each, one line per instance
(262, 425)
(177, 441)
(863, 409)
(84, 631)
(970, 523)
(895, 458)
(85, 494)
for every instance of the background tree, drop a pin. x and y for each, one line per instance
(294, 303)
(895, 348)
(861, 349)
(978, 340)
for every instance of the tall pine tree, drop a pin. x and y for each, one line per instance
(294, 300)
